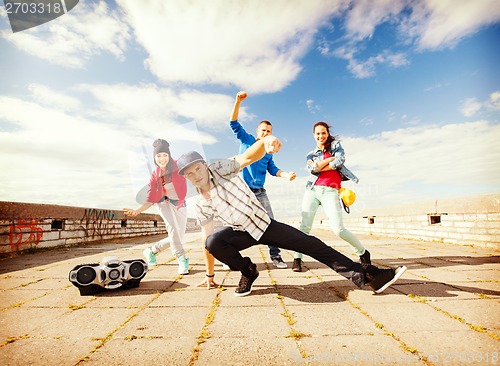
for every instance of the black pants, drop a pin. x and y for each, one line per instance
(226, 244)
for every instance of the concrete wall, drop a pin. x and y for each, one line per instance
(467, 221)
(26, 226)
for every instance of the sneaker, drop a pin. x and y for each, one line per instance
(380, 279)
(245, 284)
(225, 267)
(278, 262)
(297, 265)
(365, 258)
(150, 257)
(183, 265)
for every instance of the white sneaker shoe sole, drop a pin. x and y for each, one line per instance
(399, 273)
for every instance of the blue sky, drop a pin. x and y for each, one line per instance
(412, 88)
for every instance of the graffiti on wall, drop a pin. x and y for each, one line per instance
(95, 222)
(25, 232)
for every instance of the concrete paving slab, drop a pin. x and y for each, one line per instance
(475, 312)
(64, 298)
(143, 351)
(245, 351)
(250, 322)
(296, 295)
(442, 275)
(120, 299)
(390, 296)
(188, 297)
(167, 322)
(48, 284)
(17, 322)
(356, 350)
(50, 351)
(85, 323)
(331, 319)
(9, 282)
(489, 288)
(18, 296)
(436, 291)
(267, 296)
(423, 317)
(456, 348)
(448, 295)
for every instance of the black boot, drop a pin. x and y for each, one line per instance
(381, 278)
(248, 277)
(365, 259)
(297, 265)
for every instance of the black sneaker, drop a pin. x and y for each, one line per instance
(365, 258)
(297, 265)
(379, 279)
(246, 282)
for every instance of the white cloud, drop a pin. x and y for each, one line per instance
(50, 156)
(436, 86)
(148, 107)
(365, 15)
(312, 106)
(55, 150)
(50, 97)
(424, 24)
(53, 133)
(366, 121)
(73, 39)
(255, 45)
(440, 24)
(364, 69)
(494, 102)
(471, 106)
(438, 160)
(408, 165)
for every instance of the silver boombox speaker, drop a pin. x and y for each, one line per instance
(111, 273)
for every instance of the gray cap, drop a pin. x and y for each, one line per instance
(188, 159)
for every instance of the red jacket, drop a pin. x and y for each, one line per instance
(156, 193)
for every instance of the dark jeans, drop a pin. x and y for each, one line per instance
(226, 244)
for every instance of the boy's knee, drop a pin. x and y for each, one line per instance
(210, 243)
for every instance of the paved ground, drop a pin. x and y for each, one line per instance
(444, 310)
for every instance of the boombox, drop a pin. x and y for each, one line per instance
(111, 273)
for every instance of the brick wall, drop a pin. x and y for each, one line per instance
(469, 229)
(26, 226)
(467, 221)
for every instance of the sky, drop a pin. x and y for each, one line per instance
(410, 87)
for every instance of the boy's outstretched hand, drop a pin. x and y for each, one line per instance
(271, 144)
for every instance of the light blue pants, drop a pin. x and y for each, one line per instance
(175, 222)
(327, 197)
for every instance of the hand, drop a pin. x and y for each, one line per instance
(241, 95)
(209, 282)
(271, 144)
(130, 212)
(290, 175)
